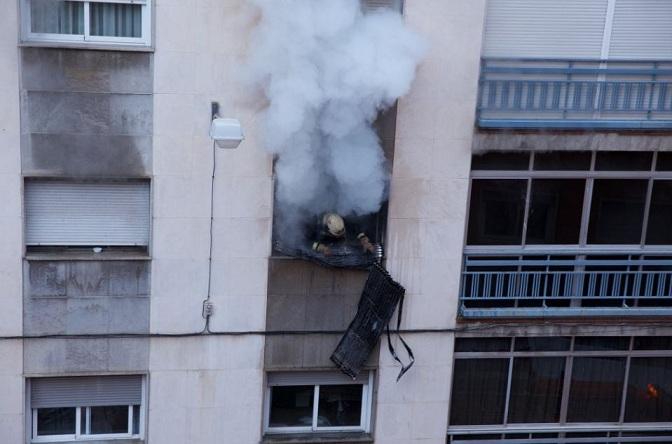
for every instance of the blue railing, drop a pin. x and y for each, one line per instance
(574, 94)
(569, 286)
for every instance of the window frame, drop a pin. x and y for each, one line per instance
(302, 379)
(590, 175)
(562, 426)
(86, 39)
(86, 411)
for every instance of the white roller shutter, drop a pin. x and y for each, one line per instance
(545, 28)
(85, 391)
(642, 29)
(372, 5)
(80, 213)
(314, 378)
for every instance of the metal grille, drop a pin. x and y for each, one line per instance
(571, 285)
(575, 94)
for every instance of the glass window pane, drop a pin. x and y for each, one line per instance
(596, 389)
(597, 343)
(557, 343)
(649, 397)
(57, 421)
(496, 212)
(617, 211)
(562, 161)
(652, 343)
(116, 20)
(660, 214)
(479, 389)
(136, 419)
(109, 419)
(623, 161)
(482, 344)
(500, 161)
(340, 405)
(555, 211)
(664, 161)
(536, 390)
(56, 17)
(292, 406)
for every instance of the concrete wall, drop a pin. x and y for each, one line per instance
(86, 113)
(11, 362)
(303, 296)
(86, 297)
(568, 140)
(427, 215)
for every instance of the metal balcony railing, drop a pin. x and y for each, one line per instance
(574, 94)
(565, 286)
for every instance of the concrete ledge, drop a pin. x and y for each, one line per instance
(318, 438)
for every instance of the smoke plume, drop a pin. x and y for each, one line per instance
(327, 70)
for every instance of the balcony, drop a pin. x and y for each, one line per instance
(566, 285)
(573, 94)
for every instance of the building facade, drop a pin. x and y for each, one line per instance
(528, 219)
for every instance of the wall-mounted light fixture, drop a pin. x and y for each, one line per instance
(227, 133)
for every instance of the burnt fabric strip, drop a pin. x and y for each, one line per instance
(380, 298)
(346, 256)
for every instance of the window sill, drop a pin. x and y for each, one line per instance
(92, 46)
(95, 441)
(87, 255)
(317, 438)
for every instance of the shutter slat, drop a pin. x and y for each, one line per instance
(544, 28)
(85, 391)
(642, 29)
(314, 378)
(61, 213)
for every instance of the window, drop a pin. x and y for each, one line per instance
(317, 402)
(623, 199)
(62, 214)
(617, 386)
(124, 22)
(566, 231)
(88, 407)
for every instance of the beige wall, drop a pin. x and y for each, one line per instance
(427, 215)
(11, 352)
(203, 390)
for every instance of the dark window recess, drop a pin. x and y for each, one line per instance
(649, 397)
(292, 406)
(496, 212)
(617, 211)
(664, 161)
(482, 345)
(360, 247)
(596, 389)
(479, 391)
(660, 215)
(562, 161)
(555, 211)
(500, 161)
(536, 390)
(652, 343)
(56, 421)
(623, 161)
(340, 405)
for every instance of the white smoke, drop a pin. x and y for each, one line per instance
(327, 69)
